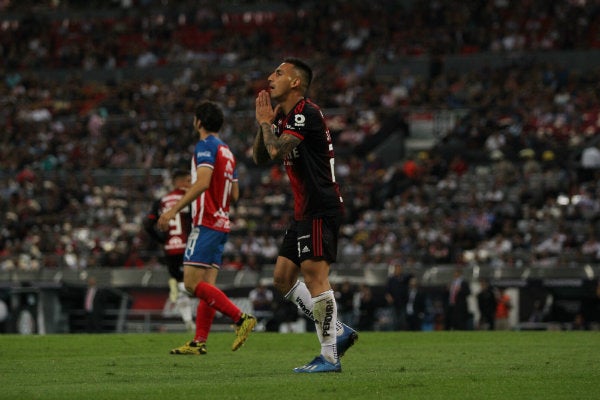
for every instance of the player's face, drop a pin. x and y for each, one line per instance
(187, 181)
(282, 80)
(183, 182)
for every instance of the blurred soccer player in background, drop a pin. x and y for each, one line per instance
(214, 185)
(295, 132)
(174, 242)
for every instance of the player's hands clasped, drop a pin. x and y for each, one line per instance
(264, 109)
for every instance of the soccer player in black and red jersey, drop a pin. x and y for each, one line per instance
(295, 132)
(174, 241)
(214, 186)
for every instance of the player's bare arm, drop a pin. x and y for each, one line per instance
(278, 147)
(202, 183)
(259, 151)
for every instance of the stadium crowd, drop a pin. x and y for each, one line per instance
(81, 161)
(84, 34)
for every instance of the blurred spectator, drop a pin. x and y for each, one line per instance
(486, 302)
(590, 306)
(94, 306)
(503, 307)
(262, 299)
(345, 301)
(590, 163)
(458, 316)
(590, 249)
(134, 260)
(590, 158)
(416, 305)
(396, 295)
(367, 309)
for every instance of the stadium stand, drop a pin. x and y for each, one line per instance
(457, 143)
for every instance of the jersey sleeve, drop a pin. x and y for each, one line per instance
(205, 155)
(303, 121)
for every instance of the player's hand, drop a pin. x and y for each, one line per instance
(163, 220)
(264, 109)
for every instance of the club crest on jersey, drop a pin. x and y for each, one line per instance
(299, 120)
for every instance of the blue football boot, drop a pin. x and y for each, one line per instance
(346, 339)
(319, 364)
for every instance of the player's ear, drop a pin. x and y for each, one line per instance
(296, 82)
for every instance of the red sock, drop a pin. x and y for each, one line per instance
(215, 298)
(204, 319)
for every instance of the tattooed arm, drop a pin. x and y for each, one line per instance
(267, 146)
(277, 147)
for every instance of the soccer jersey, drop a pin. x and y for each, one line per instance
(174, 240)
(310, 166)
(211, 209)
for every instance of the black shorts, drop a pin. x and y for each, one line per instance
(311, 239)
(175, 265)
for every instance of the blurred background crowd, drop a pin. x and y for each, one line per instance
(511, 181)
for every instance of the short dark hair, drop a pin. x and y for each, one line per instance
(303, 67)
(179, 173)
(210, 114)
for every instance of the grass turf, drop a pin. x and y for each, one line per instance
(382, 365)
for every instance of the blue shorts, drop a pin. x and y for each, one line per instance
(205, 248)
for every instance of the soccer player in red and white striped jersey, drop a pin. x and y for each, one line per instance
(214, 186)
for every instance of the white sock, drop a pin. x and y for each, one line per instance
(325, 312)
(182, 289)
(184, 305)
(300, 296)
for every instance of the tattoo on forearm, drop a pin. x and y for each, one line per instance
(277, 147)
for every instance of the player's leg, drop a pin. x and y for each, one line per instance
(202, 259)
(285, 274)
(299, 295)
(317, 245)
(315, 274)
(193, 275)
(208, 252)
(205, 314)
(177, 293)
(316, 277)
(292, 251)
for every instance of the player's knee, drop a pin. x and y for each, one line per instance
(282, 284)
(190, 284)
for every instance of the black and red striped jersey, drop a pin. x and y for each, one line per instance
(174, 240)
(311, 165)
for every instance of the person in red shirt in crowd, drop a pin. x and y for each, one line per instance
(503, 308)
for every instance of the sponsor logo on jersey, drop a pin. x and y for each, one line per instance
(202, 154)
(299, 120)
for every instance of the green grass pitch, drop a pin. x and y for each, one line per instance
(382, 365)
